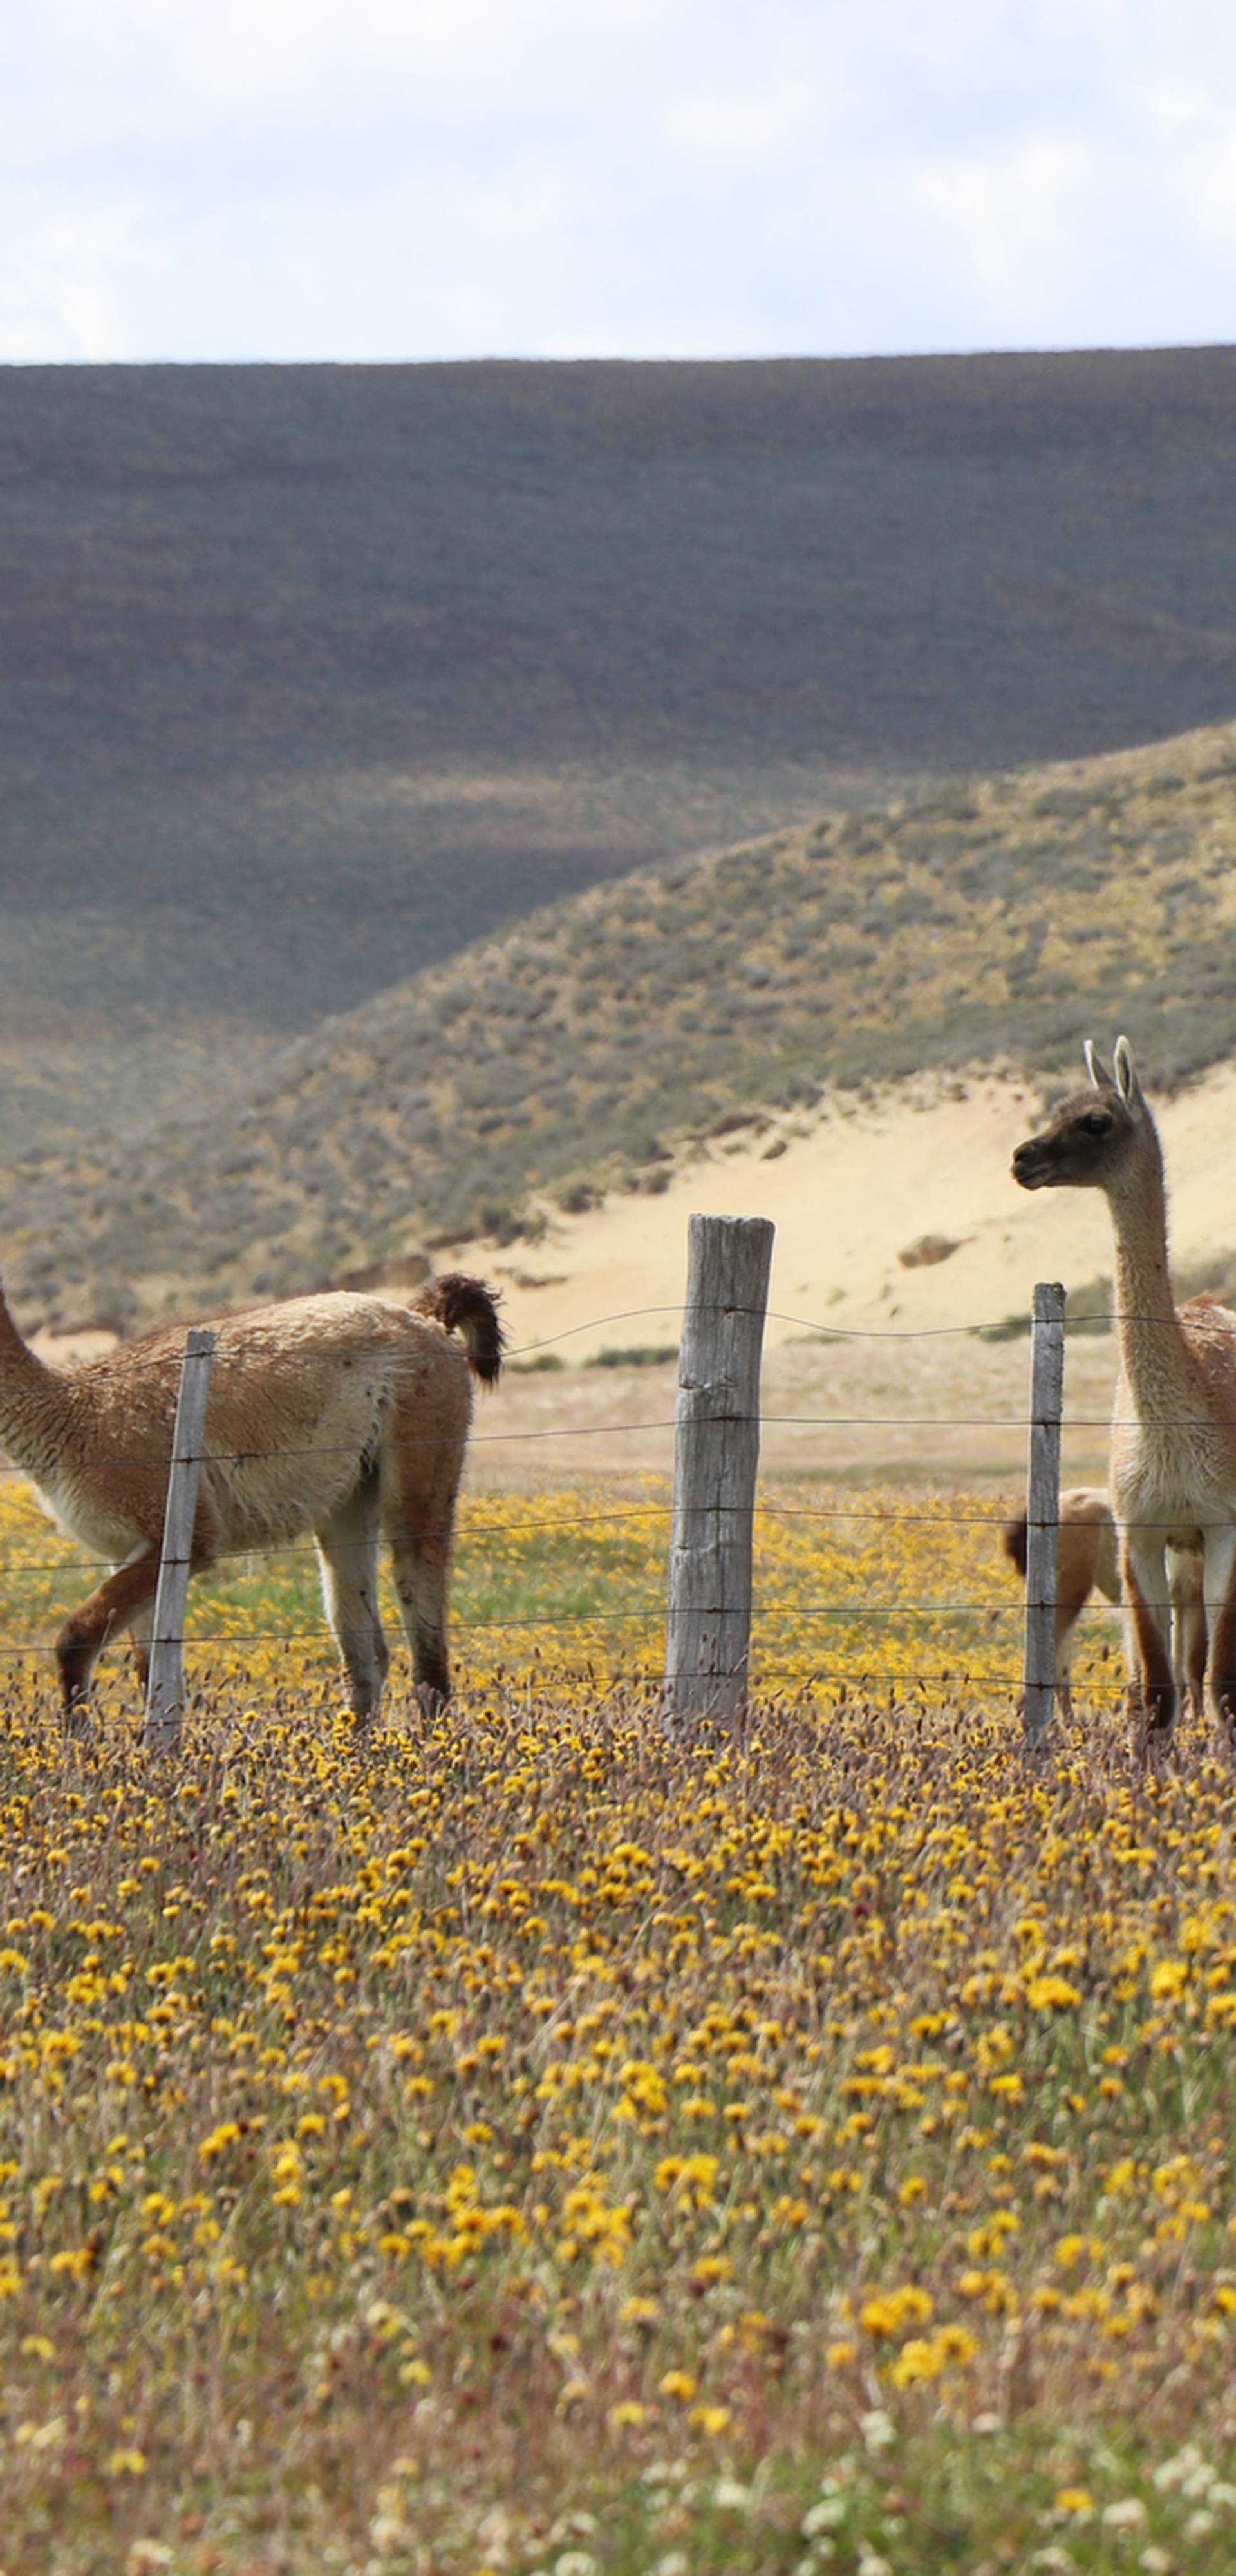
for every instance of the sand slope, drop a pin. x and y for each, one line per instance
(849, 1192)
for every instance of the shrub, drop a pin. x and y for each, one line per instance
(1011, 1328)
(640, 1355)
(1090, 1309)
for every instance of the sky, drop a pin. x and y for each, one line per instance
(405, 179)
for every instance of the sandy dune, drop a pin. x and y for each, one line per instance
(849, 1193)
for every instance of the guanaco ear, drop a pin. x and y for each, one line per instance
(1127, 1083)
(1093, 1065)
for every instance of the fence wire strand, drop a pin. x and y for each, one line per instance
(770, 1613)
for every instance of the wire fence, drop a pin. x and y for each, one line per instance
(956, 1627)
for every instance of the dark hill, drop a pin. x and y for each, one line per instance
(309, 675)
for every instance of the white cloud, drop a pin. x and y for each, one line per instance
(1198, 160)
(1015, 218)
(377, 178)
(740, 129)
(156, 66)
(74, 284)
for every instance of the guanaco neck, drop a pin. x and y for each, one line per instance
(1158, 1363)
(37, 1411)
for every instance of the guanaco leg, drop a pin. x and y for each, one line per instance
(116, 1603)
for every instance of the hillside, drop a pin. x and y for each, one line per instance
(312, 676)
(994, 922)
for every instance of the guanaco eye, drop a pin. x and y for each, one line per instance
(1096, 1124)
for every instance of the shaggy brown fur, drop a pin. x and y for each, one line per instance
(341, 1414)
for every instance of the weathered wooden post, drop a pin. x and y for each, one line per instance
(717, 1444)
(165, 1688)
(1043, 1507)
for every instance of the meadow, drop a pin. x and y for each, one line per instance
(523, 2143)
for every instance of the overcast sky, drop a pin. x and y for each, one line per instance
(357, 179)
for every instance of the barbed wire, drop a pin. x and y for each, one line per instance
(250, 1455)
(644, 1613)
(889, 1519)
(845, 1679)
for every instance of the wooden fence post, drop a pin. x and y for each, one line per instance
(1043, 1507)
(165, 1688)
(716, 1452)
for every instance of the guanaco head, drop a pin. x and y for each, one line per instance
(1092, 1142)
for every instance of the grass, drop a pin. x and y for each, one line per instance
(851, 1587)
(525, 2143)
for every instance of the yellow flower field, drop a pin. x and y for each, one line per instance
(853, 1590)
(522, 2143)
